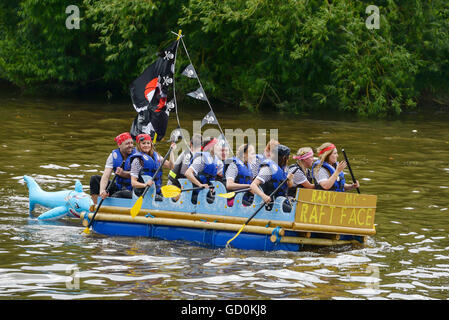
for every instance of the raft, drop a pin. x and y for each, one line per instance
(317, 218)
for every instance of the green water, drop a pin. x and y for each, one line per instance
(404, 162)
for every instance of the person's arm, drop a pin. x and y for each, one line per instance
(308, 185)
(170, 164)
(300, 179)
(352, 185)
(104, 182)
(123, 173)
(191, 176)
(256, 190)
(139, 185)
(290, 180)
(136, 166)
(327, 184)
(232, 185)
(231, 174)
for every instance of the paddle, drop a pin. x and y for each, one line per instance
(230, 195)
(171, 191)
(260, 208)
(136, 207)
(87, 230)
(349, 167)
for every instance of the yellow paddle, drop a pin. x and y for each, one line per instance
(136, 207)
(171, 191)
(230, 195)
(263, 204)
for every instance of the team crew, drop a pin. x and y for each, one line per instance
(205, 162)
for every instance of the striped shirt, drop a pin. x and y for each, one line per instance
(136, 166)
(298, 177)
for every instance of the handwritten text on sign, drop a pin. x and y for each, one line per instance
(328, 208)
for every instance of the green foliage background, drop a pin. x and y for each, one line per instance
(292, 55)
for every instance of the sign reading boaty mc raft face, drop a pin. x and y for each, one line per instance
(335, 212)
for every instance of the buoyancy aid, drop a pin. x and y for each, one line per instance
(117, 160)
(244, 174)
(292, 191)
(149, 167)
(209, 172)
(278, 175)
(339, 184)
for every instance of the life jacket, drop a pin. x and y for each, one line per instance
(292, 191)
(209, 172)
(339, 184)
(278, 175)
(244, 174)
(149, 167)
(117, 160)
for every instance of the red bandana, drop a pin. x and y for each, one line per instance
(327, 149)
(142, 137)
(209, 145)
(122, 137)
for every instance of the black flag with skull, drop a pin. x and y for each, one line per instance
(149, 93)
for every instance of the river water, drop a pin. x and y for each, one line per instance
(404, 162)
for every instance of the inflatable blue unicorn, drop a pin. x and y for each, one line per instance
(62, 203)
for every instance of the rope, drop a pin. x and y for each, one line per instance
(207, 100)
(275, 232)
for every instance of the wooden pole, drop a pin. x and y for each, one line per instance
(332, 229)
(313, 241)
(198, 216)
(183, 223)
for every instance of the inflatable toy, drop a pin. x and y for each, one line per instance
(69, 203)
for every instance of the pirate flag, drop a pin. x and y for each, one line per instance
(198, 94)
(209, 118)
(149, 94)
(190, 72)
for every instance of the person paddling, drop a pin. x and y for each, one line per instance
(328, 173)
(146, 161)
(260, 157)
(184, 160)
(203, 170)
(122, 185)
(302, 178)
(238, 173)
(271, 174)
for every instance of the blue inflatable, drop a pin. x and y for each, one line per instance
(69, 203)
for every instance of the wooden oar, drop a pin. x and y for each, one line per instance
(230, 195)
(87, 230)
(171, 191)
(136, 207)
(349, 167)
(260, 208)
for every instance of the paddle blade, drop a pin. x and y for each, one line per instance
(170, 191)
(87, 230)
(136, 207)
(236, 235)
(228, 195)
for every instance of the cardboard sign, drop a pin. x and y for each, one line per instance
(335, 212)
